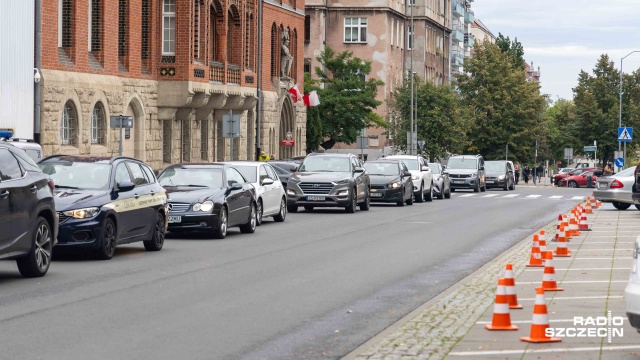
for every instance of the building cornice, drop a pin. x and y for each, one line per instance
(283, 7)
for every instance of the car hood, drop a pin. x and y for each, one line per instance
(320, 176)
(494, 173)
(383, 179)
(462, 171)
(190, 195)
(68, 199)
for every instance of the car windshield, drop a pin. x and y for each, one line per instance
(626, 172)
(380, 168)
(462, 163)
(77, 175)
(435, 168)
(494, 166)
(412, 164)
(249, 172)
(211, 177)
(576, 172)
(325, 164)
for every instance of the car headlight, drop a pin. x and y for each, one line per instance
(343, 181)
(501, 177)
(294, 180)
(394, 185)
(474, 174)
(415, 177)
(204, 207)
(82, 213)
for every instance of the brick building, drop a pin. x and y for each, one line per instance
(176, 66)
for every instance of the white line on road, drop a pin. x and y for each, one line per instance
(527, 321)
(577, 198)
(556, 197)
(468, 195)
(589, 258)
(617, 249)
(576, 298)
(490, 195)
(578, 282)
(511, 196)
(580, 269)
(539, 351)
(533, 196)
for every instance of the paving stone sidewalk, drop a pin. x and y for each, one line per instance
(594, 277)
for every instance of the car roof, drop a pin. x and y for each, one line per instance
(401, 157)
(246, 162)
(198, 165)
(79, 158)
(391, 161)
(466, 156)
(330, 154)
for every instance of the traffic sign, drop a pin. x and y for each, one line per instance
(590, 148)
(620, 162)
(625, 134)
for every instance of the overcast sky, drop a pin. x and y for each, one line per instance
(563, 37)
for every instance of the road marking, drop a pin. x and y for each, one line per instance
(591, 258)
(605, 242)
(511, 196)
(577, 282)
(490, 195)
(618, 249)
(577, 198)
(556, 197)
(539, 351)
(577, 298)
(468, 195)
(528, 321)
(580, 269)
(533, 196)
(419, 222)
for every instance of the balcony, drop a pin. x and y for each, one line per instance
(457, 8)
(216, 73)
(456, 59)
(457, 35)
(469, 40)
(469, 17)
(218, 70)
(233, 74)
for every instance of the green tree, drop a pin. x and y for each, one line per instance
(513, 48)
(348, 99)
(562, 128)
(442, 122)
(314, 122)
(505, 108)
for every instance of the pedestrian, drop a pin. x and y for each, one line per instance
(608, 170)
(526, 171)
(517, 172)
(273, 156)
(263, 156)
(539, 172)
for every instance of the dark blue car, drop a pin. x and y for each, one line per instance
(103, 202)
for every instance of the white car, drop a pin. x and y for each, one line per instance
(421, 175)
(270, 195)
(632, 292)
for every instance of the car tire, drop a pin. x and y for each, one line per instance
(620, 206)
(351, 208)
(308, 207)
(223, 225)
(477, 188)
(420, 197)
(637, 206)
(250, 226)
(282, 215)
(572, 184)
(259, 212)
(108, 240)
(366, 205)
(430, 196)
(157, 238)
(36, 263)
(513, 186)
(410, 199)
(447, 195)
(558, 182)
(292, 208)
(484, 188)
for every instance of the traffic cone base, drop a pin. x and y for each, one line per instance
(539, 340)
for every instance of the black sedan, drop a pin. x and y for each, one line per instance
(390, 182)
(103, 202)
(209, 197)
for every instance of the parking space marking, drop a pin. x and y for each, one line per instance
(588, 258)
(577, 198)
(468, 195)
(490, 195)
(528, 321)
(511, 196)
(577, 282)
(539, 351)
(581, 269)
(533, 196)
(556, 197)
(605, 242)
(577, 298)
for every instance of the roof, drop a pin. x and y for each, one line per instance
(331, 154)
(484, 27)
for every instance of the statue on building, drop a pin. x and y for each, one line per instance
(285, 55)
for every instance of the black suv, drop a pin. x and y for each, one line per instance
(329, 180)
(103, 202)
(467, 172)
(28, 220)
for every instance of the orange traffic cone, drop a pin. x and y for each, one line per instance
(536, 258)
(561, 249)
(558, 225)
(587, 208)
(598, 203)
(583, 225)
(573, 228)
(501, 318)
(543, 248)
(542, 236)
(549, 276)
(510, 287)
(540, 321)
(594, 204)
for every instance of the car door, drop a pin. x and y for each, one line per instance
(237, 201)
(142, 196)
(428, 175)
(22, 195)
(124, 203)
(359, 178)
(406, 180)
(271, 192)
(10, 173)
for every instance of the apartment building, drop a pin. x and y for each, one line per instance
(177, 67)
(462, 39)
(481, 32)
(429, 43)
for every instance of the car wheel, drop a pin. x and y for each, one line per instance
(37, 261)
(223, 224)
(351, 208)
(573, 184)
(292, 208)
(484, 188)
(637, 206)
(447, 195)
(107, 241)
(420, 197)
(157, 239)
(308, 207)
(513, 186)
(259, 212)
(559, 182)
(621, 206)
(477, 188)
(430, 195)
(410, 199)
(366, 205)
(250, 226)
(283, 211)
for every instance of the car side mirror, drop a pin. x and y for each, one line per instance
(358, 170)
(236, 186)
(406, 173)
(424, 168)
(446, 172)
(267, 181)
(125, 186)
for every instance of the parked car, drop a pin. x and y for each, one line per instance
(557, 179)
(390, 181)
(32, 148)
(576, 181)
(271, 199)
(616, 189)
(329, 180)
(565, 170)
(441, 181)
(500, 174)
(467, 172)
(209, 197)
(103, 202)
(27, 212)
(421, 176)
(283, 175)
(632, 291)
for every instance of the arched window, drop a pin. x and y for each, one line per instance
(234, 35)
(275, 51)
(98, 126)
(69, 125)
(213, 17)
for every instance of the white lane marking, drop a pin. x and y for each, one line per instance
(539, 351)
(577, 298)
(511, 196)
(419, 222)
(580, 269)
(556, 197)
(468, 195)
(529, 321)
(589, 258)
(490, 195)
(577, 198)
(533, 196)
(577, 282)
(617, 249)
(604, 242)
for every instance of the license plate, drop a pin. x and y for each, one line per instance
(376, 195)
(490, 181)
(174, 219)
(458, 181)
(315, 198)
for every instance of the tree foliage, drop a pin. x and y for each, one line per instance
(513, 48)
(347, 100)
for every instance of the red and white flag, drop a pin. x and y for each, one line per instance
(311, 99)
(295, 93)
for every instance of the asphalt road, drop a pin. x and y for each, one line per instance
(313, 287)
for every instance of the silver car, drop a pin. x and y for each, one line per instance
(616, 189)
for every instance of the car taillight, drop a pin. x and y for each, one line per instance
(51, 184)
(616, 184)
(635, 172)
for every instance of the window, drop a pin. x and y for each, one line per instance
(213, 33)
(95, 25)
(166, 141)
(146, 28)
(68, 125)
(149, 173)
(185, 141)
(275, 51)
(98, 125)
(355, 30)
(263, 173)
(122, 28)
(272, 173)
(233, 176)
(138, 175)
(410, 39)
(393, 24)
(122, 174)
(196, 29)
(65, 23)
(204, 140)
(10, 167)
(169, 27)
(307, 66)
(219, 142)
(307, 29)
(247, 43)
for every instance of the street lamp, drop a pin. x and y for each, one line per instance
(620, 106)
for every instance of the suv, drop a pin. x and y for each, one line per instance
(103, 202)
(329, 180)
(500, 174)
(421, 176)
(27, 212)
(467, 172)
